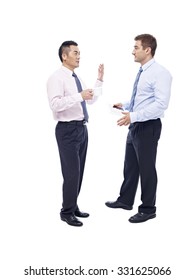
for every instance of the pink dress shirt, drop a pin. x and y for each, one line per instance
(64, 99)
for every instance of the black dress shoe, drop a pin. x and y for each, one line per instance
(141, 217)
(72, 220)
(118, 204)
(80, 214)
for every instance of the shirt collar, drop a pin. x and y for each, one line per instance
(68, 71)
(148, 64)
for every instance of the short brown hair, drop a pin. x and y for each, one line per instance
(147, 40)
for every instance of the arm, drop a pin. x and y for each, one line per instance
(98, 83)
(155, 107)
(60, 102)
(57, 100)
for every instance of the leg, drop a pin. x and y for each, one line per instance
(131, 174)
(82, 158)
(68, 140)
(145, 142)
(82, 154)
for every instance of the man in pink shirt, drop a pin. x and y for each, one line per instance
(68, 96)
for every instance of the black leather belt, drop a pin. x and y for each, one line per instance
(83, 122)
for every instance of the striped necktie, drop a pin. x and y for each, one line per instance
(134, 90)
(83, 103)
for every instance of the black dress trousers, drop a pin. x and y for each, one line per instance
(72, 140)
(140, 163)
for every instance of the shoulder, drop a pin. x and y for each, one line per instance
(56, 75)
(160, 69)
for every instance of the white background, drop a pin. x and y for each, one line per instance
(30, 200)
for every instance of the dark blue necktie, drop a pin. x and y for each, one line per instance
(83, 103)
(134, 90)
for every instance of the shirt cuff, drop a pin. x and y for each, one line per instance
(126, 106)
(98, 83)
(133, 117)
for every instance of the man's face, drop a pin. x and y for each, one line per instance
(71, 57)
(140, 55)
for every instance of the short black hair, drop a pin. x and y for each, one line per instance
(147, 40)
(65, 45)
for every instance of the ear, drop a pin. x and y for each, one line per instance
(64, 56)
(148, 50)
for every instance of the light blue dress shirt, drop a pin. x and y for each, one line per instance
(153, 93)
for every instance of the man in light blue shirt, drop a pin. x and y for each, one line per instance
(153, 93)
(150, 98)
